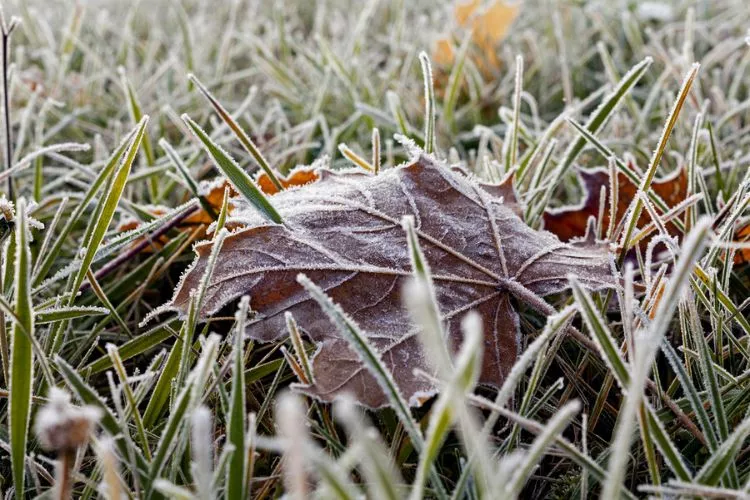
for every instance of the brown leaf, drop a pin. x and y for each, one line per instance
(570, 222)
(344, 232)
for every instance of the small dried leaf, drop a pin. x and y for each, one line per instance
(571, 222)
(344, 232)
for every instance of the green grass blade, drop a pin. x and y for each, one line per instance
(371, 359)
(239, 178)
(53, 315)
(43, 267)
(602, 113)
(100, 224)
(236, 425)
(429, 98)
(22, 360)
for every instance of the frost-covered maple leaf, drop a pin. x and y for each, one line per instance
(344, 232)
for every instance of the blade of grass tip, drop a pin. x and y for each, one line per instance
(614, 196)
(223, 213)
(136, 114)
(244, 139)
(22, 361)
(429, 98)
(376, 150)
(371, 359)
(299, 346)
(560, 420)
(511, 153)
(236, 425)
(355, 158)
(185, 173)
(625, 169)
(601, 114)
(237, 176)
(645, 184)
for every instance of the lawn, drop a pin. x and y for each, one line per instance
(375, 248)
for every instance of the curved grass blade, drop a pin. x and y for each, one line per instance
(100, 224)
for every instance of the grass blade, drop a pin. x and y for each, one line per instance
(239, 178)
(236, 425)
(22, 359)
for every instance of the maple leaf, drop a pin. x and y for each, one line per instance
(571, 222)
(344, 233)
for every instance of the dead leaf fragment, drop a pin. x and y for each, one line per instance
(570, 222)
(742, 256)
(488, 26)
(344, 232)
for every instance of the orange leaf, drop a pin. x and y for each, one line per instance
(743, 236)
(213, 192)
